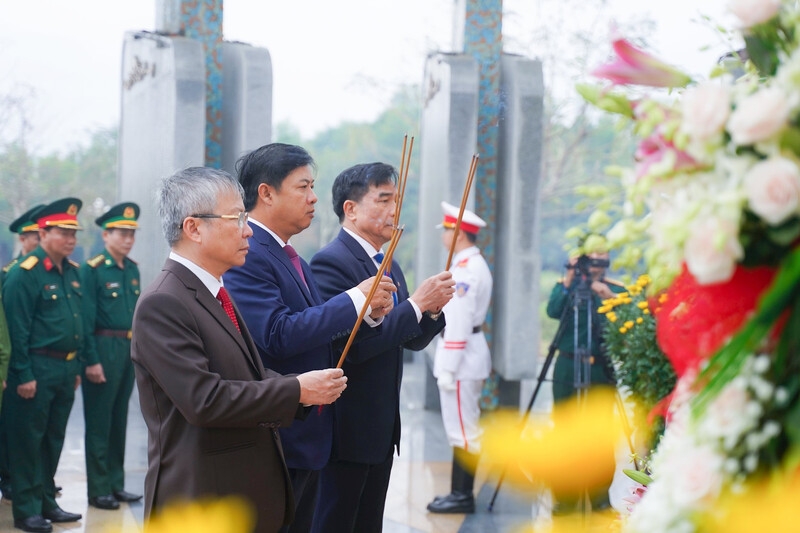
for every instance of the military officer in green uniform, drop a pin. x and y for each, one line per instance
(585, 274)
(42, 300)
(28, 231)
(111, 288)
(5, 357)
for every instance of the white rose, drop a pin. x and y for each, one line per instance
(705, 110)
(698, 477)
(759, 116)
(752, 12)
(772, 188)
(712, 249)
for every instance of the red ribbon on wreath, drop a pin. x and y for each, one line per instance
(693, 321)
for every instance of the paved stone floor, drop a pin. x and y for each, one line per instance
(420, 472)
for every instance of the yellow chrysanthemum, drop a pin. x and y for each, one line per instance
(764, 506)
(642, 305)
(611, 316)
(639, 320)
(623, 330)
(628, 324)
(646, 311)
(225, 515)
(607, 521)
(555, 453)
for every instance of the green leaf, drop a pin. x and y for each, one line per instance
(762, 53)
(638, 477)
(786, 233)
(790, 140)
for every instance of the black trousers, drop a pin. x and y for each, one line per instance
(305, 487)
(352, 497)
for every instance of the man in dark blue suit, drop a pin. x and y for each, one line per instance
(367, 417)
(292, 326)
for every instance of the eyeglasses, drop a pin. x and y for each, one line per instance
(241, 218)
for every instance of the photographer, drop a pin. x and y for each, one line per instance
(584, 283)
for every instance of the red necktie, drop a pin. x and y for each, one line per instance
(227, 305)
(295, 259)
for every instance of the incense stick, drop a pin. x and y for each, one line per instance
(467, 186)
(378, 277)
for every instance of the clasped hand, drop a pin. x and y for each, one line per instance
(382, 301)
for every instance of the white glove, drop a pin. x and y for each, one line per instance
(446, 381)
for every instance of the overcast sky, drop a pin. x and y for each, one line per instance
(333, 60)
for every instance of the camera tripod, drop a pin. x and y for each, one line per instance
(580, 300)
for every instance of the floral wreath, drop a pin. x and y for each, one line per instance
(713, 209)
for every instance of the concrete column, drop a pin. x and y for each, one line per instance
(515, 350)
(447, 143)
(161, 128)
(247, 107)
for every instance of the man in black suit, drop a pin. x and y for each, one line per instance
(353, 484)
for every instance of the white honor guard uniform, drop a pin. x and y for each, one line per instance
(462, 353)
(462, 361)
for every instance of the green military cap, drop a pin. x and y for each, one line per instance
(122, 216)
(26, 222)
(62, 213)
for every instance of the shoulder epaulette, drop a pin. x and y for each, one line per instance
(613, 282)
(11, 264)
(29, 263)
(96, 261)
(73, 263)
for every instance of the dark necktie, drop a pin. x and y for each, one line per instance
(295, 259)
(379, 258)
(227, 305)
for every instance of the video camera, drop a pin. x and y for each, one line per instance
(584, 263)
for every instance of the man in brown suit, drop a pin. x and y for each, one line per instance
(212, 410)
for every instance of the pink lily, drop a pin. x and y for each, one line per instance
(637, 493)
(635, 67)
(654, 148)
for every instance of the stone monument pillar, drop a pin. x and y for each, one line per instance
(481, 101)
(161, 129)
(182, 106)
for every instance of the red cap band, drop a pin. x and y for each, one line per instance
(450, 223)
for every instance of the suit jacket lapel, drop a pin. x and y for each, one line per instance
(212, 305)
(273, 248)
(369, 264)
(358, 252)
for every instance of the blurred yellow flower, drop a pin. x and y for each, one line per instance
(607, 521)
(554, 453)
(768, 505)
(225, 515)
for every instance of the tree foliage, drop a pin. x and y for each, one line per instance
(26, 178)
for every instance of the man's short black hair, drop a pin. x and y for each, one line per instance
(354, 182)
(269, 164)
